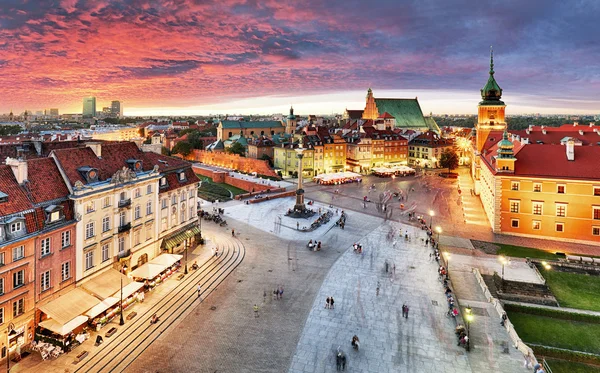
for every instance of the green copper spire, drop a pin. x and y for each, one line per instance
(491, 92)
(505, 147)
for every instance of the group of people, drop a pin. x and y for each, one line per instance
(278, 292)
(461, 334)
(329, 303)
(316, 245)
(357, 248)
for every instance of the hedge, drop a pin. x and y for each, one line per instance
(559, 353)
(556, 314)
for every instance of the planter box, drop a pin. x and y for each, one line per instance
(110, 332)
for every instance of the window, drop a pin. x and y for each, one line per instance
(90, 230)
(174, 199)
(90, 206)
(163, 182)
(561, 189)
(105, 224)
(183, 196)
(537, 187)
(136, 237)
(163, 224)
(19, 307)
(18, 252)
(183, 211)
(536, 225)
(122, 196)
(514, 185)
(561, 210)
(514, 223)
(105, 255)
(16, 227)
(106, 202)
(89, 260)
(149, 208)
(65, 239)
(2, 322)
(121, 244)
(122, 219)
(45, 246)
(537, 208)
(137, 193)
(1, 285)
(18, 278)
(597, 191)
(2, 262)
(54, 216)
(149, 189)
(192, 212)
(148, 232)
(514, 206)
(560, 227)
(595, 231)
(163, 203)
(65, 271)
(182, 176)
(596, 213)
(191, 193)
(45, 281)
(136, 212)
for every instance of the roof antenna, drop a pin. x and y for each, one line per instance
(491, 60)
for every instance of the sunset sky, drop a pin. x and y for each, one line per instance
(260, 56)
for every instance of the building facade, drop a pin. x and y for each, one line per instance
(426, 149)
(89, 107)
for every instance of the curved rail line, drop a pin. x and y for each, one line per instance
(121, 351)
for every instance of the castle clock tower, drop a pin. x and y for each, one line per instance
(491, 109)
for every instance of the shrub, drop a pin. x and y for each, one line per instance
(556, 314)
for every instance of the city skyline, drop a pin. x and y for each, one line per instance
(260, 58)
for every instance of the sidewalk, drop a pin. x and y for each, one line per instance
(65, 362)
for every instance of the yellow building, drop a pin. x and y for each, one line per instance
(119, 134)
(285, 160)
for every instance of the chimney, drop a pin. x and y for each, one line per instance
(525, 141)
(528, 131)
(544, 131)
(96, 148)
(581, 132)
(592, 124)
(530, 127)
(575, 124)
(19, 168)
(570, 150)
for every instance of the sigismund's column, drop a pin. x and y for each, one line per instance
(299, 191)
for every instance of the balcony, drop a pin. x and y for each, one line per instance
(125, 203)
(124, 254)
(124, 228)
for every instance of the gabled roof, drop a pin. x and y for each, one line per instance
(432, 125)
(354, 114)
(17, 199)
(407, 111)
(45, 180)
(386, 115)
(231, 124)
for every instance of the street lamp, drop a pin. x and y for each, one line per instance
(10, 332)
(469, 317)
(431, 213)
(185, 245)
(438, 229)
(447, 255)
(121, 320)
(546, 265)
(503, 261)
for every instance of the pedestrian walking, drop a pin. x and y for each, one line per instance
(199, 290)
(232, 232)
(394, 268)
(406, 312)
(327, 303)
(378, 286)
(255, 310)
(297, 226)
(332, 303)
(280, 292)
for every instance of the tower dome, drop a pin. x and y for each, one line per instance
(491, 92)
(505, 147)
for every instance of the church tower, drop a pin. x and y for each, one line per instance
(290, 124)
(491, 109)
(370, 111)
(505, 161)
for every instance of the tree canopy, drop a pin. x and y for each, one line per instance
(237, 148)
(183, 147)
(449, 159)
(10, 130)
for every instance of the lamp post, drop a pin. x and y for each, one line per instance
(121, 320)
(185, 245)
(503, 261)
(10, 332)
(447, 255)
(469, 317)
(546, 265)
(200, 221)
(431, 213)
(438, 229)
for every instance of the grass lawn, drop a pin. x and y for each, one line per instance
(572, 335)
(574, 290)
(524, 252)
(563, 366)
(233, 189)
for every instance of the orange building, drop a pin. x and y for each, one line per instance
(540, 190)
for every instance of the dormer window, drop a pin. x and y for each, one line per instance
(181, 175)
(54, 213)
(16, 227)
(89, 174)
(163, 182)
(3, 197)
(135, 164)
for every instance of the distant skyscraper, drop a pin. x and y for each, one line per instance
(54, 112)
(89, 107)
(116, 109)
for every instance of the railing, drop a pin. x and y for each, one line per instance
(125, 203)
(124, 227)
(517, 342)
(546, 366)
(124, 254)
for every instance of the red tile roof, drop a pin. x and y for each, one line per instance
(386, 115)
(45, 181)
(554, 135)
(17, 198)
(174, 183)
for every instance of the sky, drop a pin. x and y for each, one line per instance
(182, 57)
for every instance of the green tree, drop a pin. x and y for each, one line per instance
(183, 147)
(265, 157)
(165, 151)
(10, 130)
(237, 148)
(449, 159)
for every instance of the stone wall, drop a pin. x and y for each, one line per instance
(524, 292)
(223, 177)
(232, 161)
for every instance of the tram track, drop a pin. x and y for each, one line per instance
(120, 351)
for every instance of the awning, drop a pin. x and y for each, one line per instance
(129, 289)
(155, 266)
(106, 283)
(102, 306)
(61, 329)
(148, 271)
(70, 305)
(179, 236)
